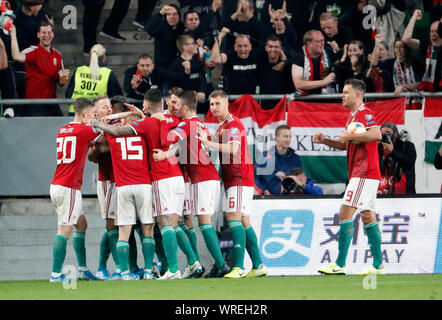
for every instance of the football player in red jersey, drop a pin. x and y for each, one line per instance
(364, 176)
(203, 175)
(73, 141)
(238, 177)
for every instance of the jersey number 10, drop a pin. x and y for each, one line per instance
(63, 144)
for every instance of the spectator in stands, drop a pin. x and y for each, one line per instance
(401, 73)
(91, 19)
(431, 79)
(145, 76)
(7, 88)
(354, 19)
(397, 157)
(244, 22)
(284, 30)
(27, 22)
(93, 80)
(165, 27)
(297, 182)
(353, 64)
(201, 26)
(311, 70)
(275, 164)
(190, 70)
(44, 70)
(274, 72)
(239, 66)
(382, 81)
(335, 34)
(144, 12)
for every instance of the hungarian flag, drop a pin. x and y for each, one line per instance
(260, 124)
(433, 127)
(320, 162)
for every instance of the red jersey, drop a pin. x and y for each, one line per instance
(149, 128)
(198, 163)
(170, 123)
(237, 169)
(105, 169)
(73, 141)
(129, 160)
(363, 158)
(42, 72)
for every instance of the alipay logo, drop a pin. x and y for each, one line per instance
(286, 237)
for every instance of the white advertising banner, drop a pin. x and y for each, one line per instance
(299, 236)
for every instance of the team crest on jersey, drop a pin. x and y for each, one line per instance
(368, 117)
(234, 130)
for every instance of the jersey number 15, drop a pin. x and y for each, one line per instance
(136, 152)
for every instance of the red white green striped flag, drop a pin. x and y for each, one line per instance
(433, 127)
(322, 163)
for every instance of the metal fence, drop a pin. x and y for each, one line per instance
(290, 97)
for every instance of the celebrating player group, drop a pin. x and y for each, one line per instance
(155, 170)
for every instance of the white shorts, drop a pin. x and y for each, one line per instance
(107, 198)
(239, 199)
(205, 197)
(133, 201)
(361, 194)
(68, 204)
(187, 207)
(168, 196)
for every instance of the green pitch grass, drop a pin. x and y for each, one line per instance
(397, 287)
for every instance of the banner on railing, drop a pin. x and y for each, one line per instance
(433, 127)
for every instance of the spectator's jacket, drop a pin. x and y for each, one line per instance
(310, 188)
(269, 163)
(165, 39)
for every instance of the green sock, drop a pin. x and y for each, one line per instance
(212, 243)
(170, 247)
(104, 251)
(374, 240)
(78, 240)
(252, 246)
(239, 242)
(192, 238)
(184, 244)
(346, 231)
(59, 252)
(123, 255)
(159, 248)
(133, 252)
(148, 244)
(113, 239)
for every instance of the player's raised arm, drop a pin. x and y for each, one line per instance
(112, 130)
(220, 147)
(321, 139)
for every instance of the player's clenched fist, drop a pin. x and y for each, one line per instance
(318, 137)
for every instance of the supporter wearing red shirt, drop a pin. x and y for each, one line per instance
(364, 175)
(43, 65)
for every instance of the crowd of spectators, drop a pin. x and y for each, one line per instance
(258, 47)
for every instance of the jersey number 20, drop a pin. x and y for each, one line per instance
(66, 146)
